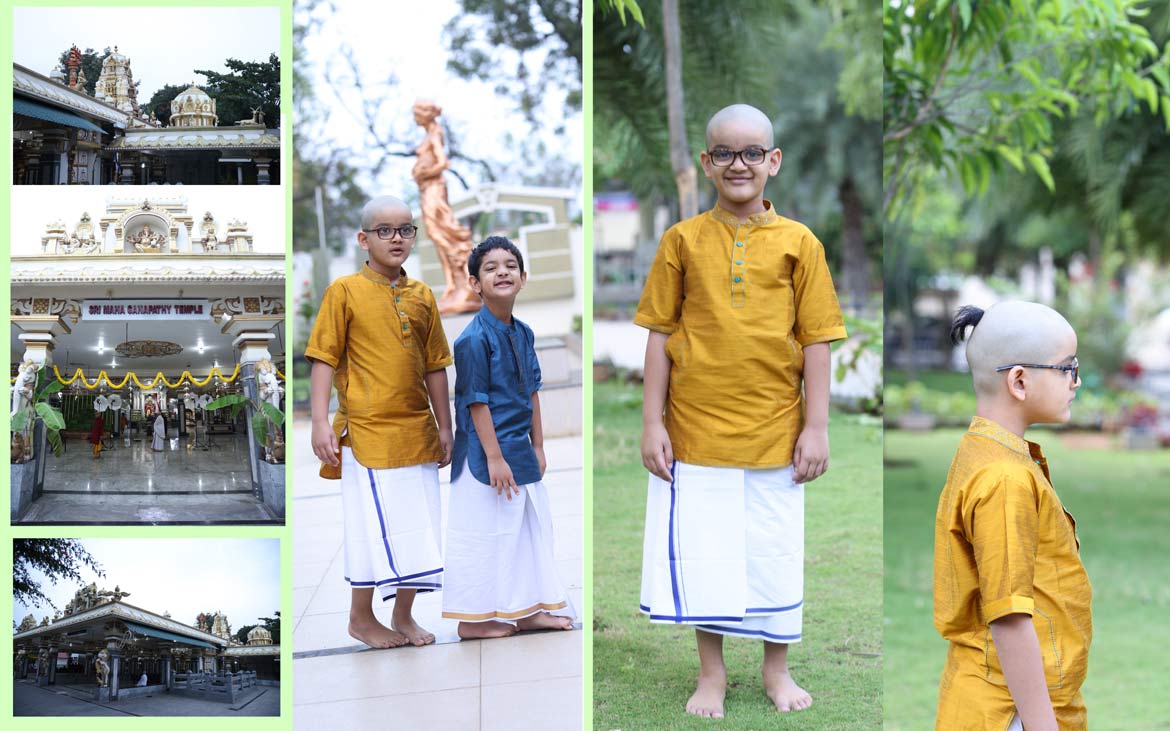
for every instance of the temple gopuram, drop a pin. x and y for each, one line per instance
(164, 332)
(102, 647)
(62, 135)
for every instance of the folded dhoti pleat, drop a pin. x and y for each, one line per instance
(392, 533)
(499, 554)
(724, 550)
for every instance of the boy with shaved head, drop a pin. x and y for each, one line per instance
(1010, 592)
(741, 310)
(379, 341)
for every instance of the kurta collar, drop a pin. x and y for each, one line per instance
(373, 276)
(486, 317)
(988, 428)
(721, 214)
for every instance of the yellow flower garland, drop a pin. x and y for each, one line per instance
(186, 377)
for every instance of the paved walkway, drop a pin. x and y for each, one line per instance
(522, 682)
(131, 483)
(30, 700)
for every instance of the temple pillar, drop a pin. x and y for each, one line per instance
(52, 664)
(166, 670)
(263, 177)
(115, 670)
(253, 334)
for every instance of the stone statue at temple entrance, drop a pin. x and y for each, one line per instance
(452, 239)
(101, 668)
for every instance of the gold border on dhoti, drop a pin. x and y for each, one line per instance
(505, 615)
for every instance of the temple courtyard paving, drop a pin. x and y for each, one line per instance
(30, 700)
(520, 682)
(131, 483)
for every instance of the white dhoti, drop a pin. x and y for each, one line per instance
(724, 551)
(392, 520)
(500, 554)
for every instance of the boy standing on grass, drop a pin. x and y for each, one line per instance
(1010, 592)
(741, 309)
(500, 572)
(379, 341)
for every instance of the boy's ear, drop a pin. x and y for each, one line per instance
(363, 240)
(775, 157)
(1017, 383)
(705, 161)
(476, 285)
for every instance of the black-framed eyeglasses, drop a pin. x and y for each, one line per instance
(387, 232)
(1074, 369)
(724, 156)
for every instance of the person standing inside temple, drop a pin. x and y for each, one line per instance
(95, 435)
(160, 432)
(378, 340)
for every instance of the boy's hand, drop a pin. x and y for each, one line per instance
(501, 477)
(325, 444)
(657, 455)
(810, 458)
(445, 441)
(540, 460)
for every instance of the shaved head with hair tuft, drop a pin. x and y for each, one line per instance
(1012, 332)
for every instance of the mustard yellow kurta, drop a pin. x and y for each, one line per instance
(1004, 544)
(381, 339)
(739, 301)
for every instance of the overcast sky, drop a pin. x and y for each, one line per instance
(387, 39)
(239, 577)
(165, 45)
(262, 206)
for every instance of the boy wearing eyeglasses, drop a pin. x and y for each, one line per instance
(379, 341)
(1010, 592)
(741, 310)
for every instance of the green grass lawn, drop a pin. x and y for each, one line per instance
(1121, 501)
(643, 673)
(944, 381)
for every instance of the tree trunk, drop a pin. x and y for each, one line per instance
(854, 262)
(681, 163)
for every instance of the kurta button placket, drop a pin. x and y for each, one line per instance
(738, 290)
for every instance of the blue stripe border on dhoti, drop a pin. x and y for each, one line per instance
(750, 633)
(381, 522)
(398, 580)
(674, 579)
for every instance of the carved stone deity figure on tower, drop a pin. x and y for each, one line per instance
(452, 239)
(73, 63)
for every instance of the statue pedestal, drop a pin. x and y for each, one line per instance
(103, 695)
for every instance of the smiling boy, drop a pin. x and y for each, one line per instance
(741, 310)
(1010, 592)
(378, 340)
(500, 572)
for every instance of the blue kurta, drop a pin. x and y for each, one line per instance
(495, 364)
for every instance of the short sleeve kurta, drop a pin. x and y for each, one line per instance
(381, 339)
(739, 300)
(1004, 544)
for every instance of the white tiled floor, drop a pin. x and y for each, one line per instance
(526, 681)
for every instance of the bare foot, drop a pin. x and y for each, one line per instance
(707, 701)
(375, 634)
(485, 630)
(785, 693)
(544, 620)
(416, 635)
